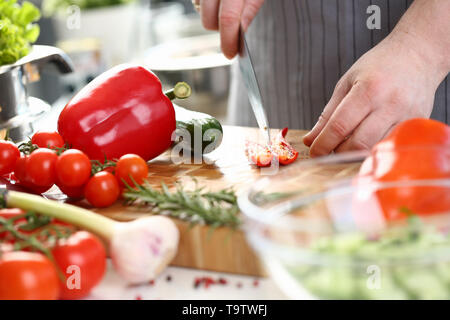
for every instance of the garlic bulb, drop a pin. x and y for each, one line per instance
(141, 249)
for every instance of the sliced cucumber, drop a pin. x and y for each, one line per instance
(199, 132)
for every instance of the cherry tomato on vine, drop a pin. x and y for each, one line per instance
(27, 276)
(102, 190)
(9, 153)
(85, 251)
(40, 167)
(47, 139)
(9, 213)
(23, 177)
(72, 192)
(73, 168)
(131, 167)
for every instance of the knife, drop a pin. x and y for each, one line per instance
(251, 83)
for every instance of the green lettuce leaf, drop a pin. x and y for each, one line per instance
(17, 29)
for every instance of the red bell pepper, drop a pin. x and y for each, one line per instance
(262, 155)
(124, 110)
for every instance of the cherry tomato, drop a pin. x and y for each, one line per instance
(40, 167)
(73, 168)
(20, 171)
(102, 190)
(23, 176)
(9, 153)
(27, 276)
(131, 165)
(47, 139)
(82, 258)
(9, 213)
(72, 192)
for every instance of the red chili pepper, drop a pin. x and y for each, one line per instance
(258, 154)
(262, 155)
(286, 153)
(122, 111)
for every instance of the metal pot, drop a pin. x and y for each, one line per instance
(17, 109)
(198, 61)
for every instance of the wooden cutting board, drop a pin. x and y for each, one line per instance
(223, 249)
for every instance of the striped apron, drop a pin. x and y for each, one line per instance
(300, 49)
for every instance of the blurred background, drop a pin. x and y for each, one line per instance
(165, 36)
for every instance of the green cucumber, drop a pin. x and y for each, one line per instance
(199, 131)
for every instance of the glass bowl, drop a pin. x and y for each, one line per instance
(324, 231)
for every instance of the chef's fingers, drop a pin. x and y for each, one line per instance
(371, 130)
(210, 14)
(250, 11)
(340, 91)
(229, 20)
(348, 115)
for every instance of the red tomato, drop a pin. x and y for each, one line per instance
(417, 149)
(131, 165)
(420, 132)
(102, 190)
(27, 276)
(47, 139)
(9, 153)
(40, 167)
(73, 168)
(82, 258)
(72, 192)
(20, 171)
(23, 177)
(9, 213)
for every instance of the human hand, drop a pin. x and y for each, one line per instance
(394, 81)
(226, 16)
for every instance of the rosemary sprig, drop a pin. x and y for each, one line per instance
(216, 209)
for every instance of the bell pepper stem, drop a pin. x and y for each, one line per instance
(181, 91)
(96, 223)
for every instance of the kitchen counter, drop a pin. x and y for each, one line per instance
(179, 283)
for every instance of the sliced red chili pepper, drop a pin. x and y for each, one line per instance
(262, 155)
(286, 153)
(258, 154)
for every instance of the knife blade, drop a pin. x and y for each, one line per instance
(251, 83)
